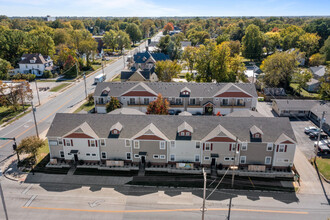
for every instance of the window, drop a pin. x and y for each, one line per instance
(178, 101)
(198, 145)
(228, 158)
(128, 156)
(94, 155)
(240, 102)
(132, 101)
(192, 101)
(206, 158)
(114, 131)
(61, 154)
(172, 144)
(225, 102)
(155, 156)
(269, 146)
(146, 101)
(136, 156)
(172, 157)
(67, 142)
(196, 158)
(92, 143)
(102, 142)
(53, 143)
(88, 154)
(242, 159)
(127, 143)
(207, 146)
(200, 99)
(162, 145)
(257, 135)
(244, 146)
(103, 155)
(60, 142)
(286, 160)
(233, 147)
(162, 156)
(187, 133)
(249, 100)
(282, 146)
(182, 133)
(136, 144)
(268, 160)
(216, 99)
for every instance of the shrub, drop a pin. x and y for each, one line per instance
(47, 74)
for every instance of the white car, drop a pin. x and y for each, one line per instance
(311, 129)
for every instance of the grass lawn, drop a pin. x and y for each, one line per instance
(86, 107)
(304, 93)
(117, 79)
(323, 165)
(59, 87)
(7, 113)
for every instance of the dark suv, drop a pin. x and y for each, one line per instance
(314, 135)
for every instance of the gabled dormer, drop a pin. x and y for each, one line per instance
(82, 131)
(140, 89)
(150, 132)
(185, 130)
(105, 91)
(231, 90)
(185, 92)
(220, 134)
(256, 134)
(116, 129)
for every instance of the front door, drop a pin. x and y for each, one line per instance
(213, 162)
(143, 159)
(75, 157)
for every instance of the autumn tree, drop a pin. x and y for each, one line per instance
(12, 44)
(147, 27)
(40, 42)
(166, 70)
(168, 27)
(279, 68)
(308, 43)
(113, 104)
(30, 145)
(134, 32)
(302, 78)
(158, 107)
(61, 36)
(4, 68)
(87, 47)
(252, 42)
(290, 36)
(189, 56)
(272, 40)
(316, 59)
(77, 24)
(110, 39)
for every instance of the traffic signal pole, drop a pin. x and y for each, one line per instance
(14, 146)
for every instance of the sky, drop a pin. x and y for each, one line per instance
(156, 8)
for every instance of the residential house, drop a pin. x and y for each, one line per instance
(161, 139)
(139, 75)
(196, 98)
(314, 84)
(312, 109)
(34, 63)
(147, 60)
(318, 71)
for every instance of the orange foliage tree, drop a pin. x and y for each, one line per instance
(169, 27)
(158, 107)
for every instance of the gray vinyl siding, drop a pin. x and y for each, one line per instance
(115, 149)
(256, 153)
(151, 147)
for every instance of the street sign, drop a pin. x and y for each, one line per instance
(6, 138)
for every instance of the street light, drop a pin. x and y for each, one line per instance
(3, 198)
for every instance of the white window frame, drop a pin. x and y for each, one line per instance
(106, 156)
(227, 102)
(182, 133)
(172, 155)
(136, 144)
(155, 156)
(242, 158)
(237, 100)
(270, 160)
(91, 143)
(93, 155)
(207, 145)
(68, 142)
(281, 148)
(199, 144)
(60, 141)
(172, 144)
(199, 158)
(162, 157)
(162, 145)
(248, 100)
(233, 147)
(188, 133)
(206, 158)
(270, 147)
(52, 143)
(62, 151)
(244, 146)
(102, 140)
(257, 135)
(114, 131)
(88, 154)
(129, 143)
(136, 156)
(130, 155)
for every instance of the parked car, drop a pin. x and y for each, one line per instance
(171, 112)
(311, 129)
(323, 149)
(322, 142)
(315, 134)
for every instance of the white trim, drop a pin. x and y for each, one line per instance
(172, 143)
(130, 155)
(163, 157)
(52, 143)
(206, 158)
(106, 156)
(136, 156)
(129, 143)
(282, 146)
(104, 141)
(208, 145)
(270, 160)
(136, 144)
(270, 145)
(162, 145)
(199, 158)
(199, 146)
(245, 144)
(155, 156)
(173, 157)
(63, 154)
(60, 140)
(242, 158)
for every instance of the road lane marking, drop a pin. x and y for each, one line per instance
(167, 210)
(28, 203)
(27, 189)
(50, 114)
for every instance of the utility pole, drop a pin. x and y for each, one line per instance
(204, 193)
(319, 135)
(35, 121)
(3, 198)
(234, 165)
(85, 85)
(14, 148)
(37, 91)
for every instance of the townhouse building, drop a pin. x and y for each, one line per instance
(163, 139)
(196, 98)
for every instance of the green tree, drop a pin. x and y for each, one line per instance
(40, 42)
(316, 59)
(272, 40)
(166, 70)
(30, 145)
(146, 27)
(12, 45)
(222, 38)
(308, 43)
(4, 68)
(325, 85)
(113, 104)
(290, 36)
(61, 36)
(110, 39)
(189, 56)
(326, 49)
(302, 78)
(123, 40)
(252, 42)
(77, 24)
(279, 68)
(158, 107)
(134, 32)
(87, 47)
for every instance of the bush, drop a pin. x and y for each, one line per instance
(47, 74)
(29, 77)
(90, 99)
